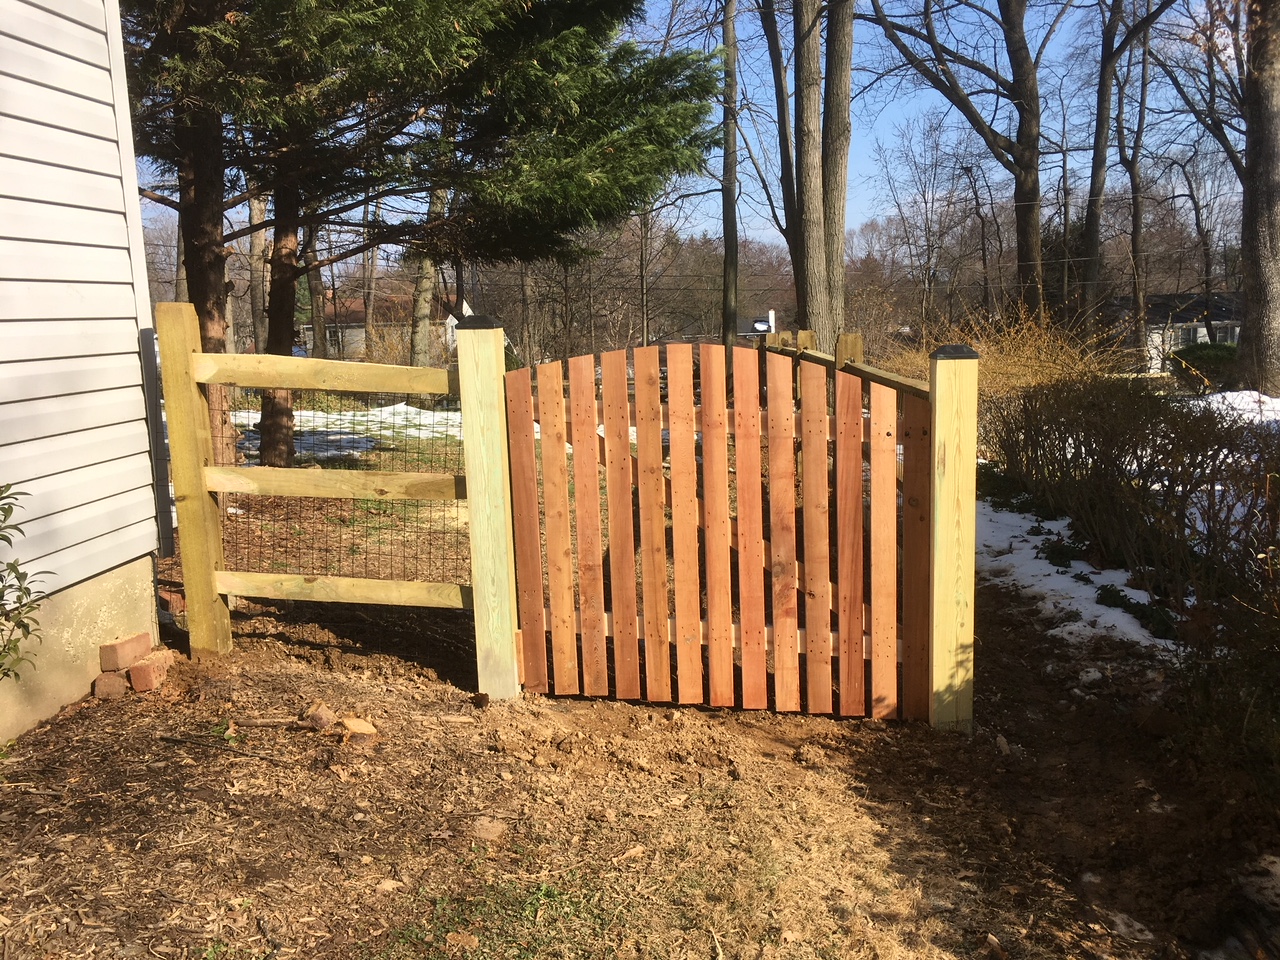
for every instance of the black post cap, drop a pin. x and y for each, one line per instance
(478, 323)
(954, 351)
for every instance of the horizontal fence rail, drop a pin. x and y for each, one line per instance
(733, 528)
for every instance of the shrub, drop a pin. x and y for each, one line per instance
(1015, 357)
(19, 600)
(1184, 496)
(1205, 367)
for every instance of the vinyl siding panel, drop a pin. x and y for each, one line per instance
(70, 40)
(49, 456)
(21, 59)
(49, 223)
(65, 568)
(73, 427)
(42, 104)
(25, 300)
(52, 145)
(64, 377)
(31, 419)
(62, 492)
(26, 260)
(49, 340)
(89, 13)
(73, 188)
(62, 531)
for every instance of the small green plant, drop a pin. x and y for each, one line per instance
(1204, 367)
(19, 598)
(1159, 621)
(1062, 553)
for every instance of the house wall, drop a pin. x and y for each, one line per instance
(74, 621)
(73, 302)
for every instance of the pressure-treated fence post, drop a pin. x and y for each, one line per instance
(849, 349)
(190, 451)
(954, 435)
(481, 366)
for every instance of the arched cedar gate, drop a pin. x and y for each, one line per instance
(808, 548)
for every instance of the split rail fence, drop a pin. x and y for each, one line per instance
(197, 481)
(737, 528)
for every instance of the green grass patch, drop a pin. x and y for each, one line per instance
(504, 921)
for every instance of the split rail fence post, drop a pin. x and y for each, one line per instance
(954, 455)
(481, 370)
(190, 451)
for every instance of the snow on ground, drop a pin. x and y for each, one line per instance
(1010, 553)
(336, 435)
(1248, 403)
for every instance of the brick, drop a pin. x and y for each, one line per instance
(110, 686)
(149, 672)
(124, 653)
(174, 601)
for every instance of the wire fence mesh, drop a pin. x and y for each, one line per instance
(419, 540)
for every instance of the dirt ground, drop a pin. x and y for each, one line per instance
(170, 825)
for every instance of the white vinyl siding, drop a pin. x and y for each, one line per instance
(73, 298)
(49, 28)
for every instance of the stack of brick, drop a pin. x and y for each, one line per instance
(131, 664)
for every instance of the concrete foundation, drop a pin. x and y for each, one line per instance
(73, 623)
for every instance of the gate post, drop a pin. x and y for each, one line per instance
(481, 366)
(190, 451)
(954, 456)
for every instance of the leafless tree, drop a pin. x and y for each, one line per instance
(980, 58)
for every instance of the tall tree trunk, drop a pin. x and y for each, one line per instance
(1092, 240)
(258, 272)
(807, 51)
(1259, 352)
(837, 130)
(370, 277)
(1064, 288)
(316, 291)
(1025, 88)
(201, 168)
(1204, 239)
(729, 181)
(644, 276)
(423, 337)
(180, 294)
(790, 220)
(1026, 218)
(1129, 147)
(1137, 243)
(276, 429)
(424, 342)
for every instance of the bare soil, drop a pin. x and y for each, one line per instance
(1073, 824)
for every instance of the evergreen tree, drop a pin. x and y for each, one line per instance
(529, 116)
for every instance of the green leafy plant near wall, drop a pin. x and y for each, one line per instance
(19, 598)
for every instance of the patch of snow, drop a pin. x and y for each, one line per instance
(1008, 555)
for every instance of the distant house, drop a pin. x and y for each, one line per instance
(345, 324)
(1176, 320)
(74, 321)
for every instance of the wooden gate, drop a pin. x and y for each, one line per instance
(808, 546)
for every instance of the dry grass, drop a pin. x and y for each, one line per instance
(389, 344)
(1014, 356)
